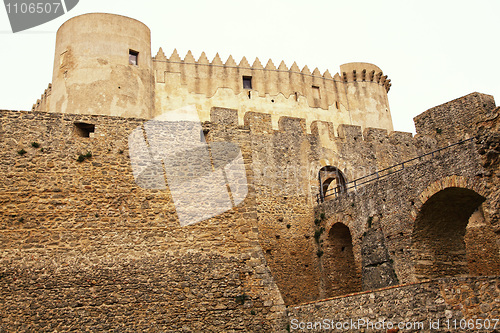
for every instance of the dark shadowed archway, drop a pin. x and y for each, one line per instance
(341, 274)
(438, 243)
(332, 182)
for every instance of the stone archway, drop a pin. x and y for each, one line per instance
(332, 182)
(341, 273)
(438, 239)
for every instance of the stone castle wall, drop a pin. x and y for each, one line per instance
(356, 96)
(93, 74)
(438, 220)
(84, 247)
(443, 305)
(455, 120)
(89, 227)
(285, 166)
(383, 218)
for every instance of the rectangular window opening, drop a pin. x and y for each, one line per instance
(247, 82)
(84, 130)
(133, 56)
(316, 93)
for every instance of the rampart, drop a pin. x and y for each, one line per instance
(91, 230)
(434, 220)
(89, 243)
(383, 217)
(80, 221)
(358, 95)
(214, 74)
(84, 247)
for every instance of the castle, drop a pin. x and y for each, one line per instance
(294, 203)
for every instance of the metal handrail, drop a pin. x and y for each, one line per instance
(379, 174)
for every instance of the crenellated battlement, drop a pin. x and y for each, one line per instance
(206, 77)
(175, 63)
(330, 133)
(361, 72)
(44, 100)
(357, 94)
(365, 75)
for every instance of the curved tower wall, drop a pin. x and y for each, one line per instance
(92, 74)
(366, 93)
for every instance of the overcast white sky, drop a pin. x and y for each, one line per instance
(433, 51)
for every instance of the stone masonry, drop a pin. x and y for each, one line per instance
(81, 241)
(293, 201)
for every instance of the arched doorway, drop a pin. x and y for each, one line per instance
(332, 182)
(340, 271)
(438, 238)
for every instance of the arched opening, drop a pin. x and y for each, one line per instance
(340, 272)
(438, 239)
(332, 182)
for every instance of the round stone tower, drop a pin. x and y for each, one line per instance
(366, 89)
(103, 65)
